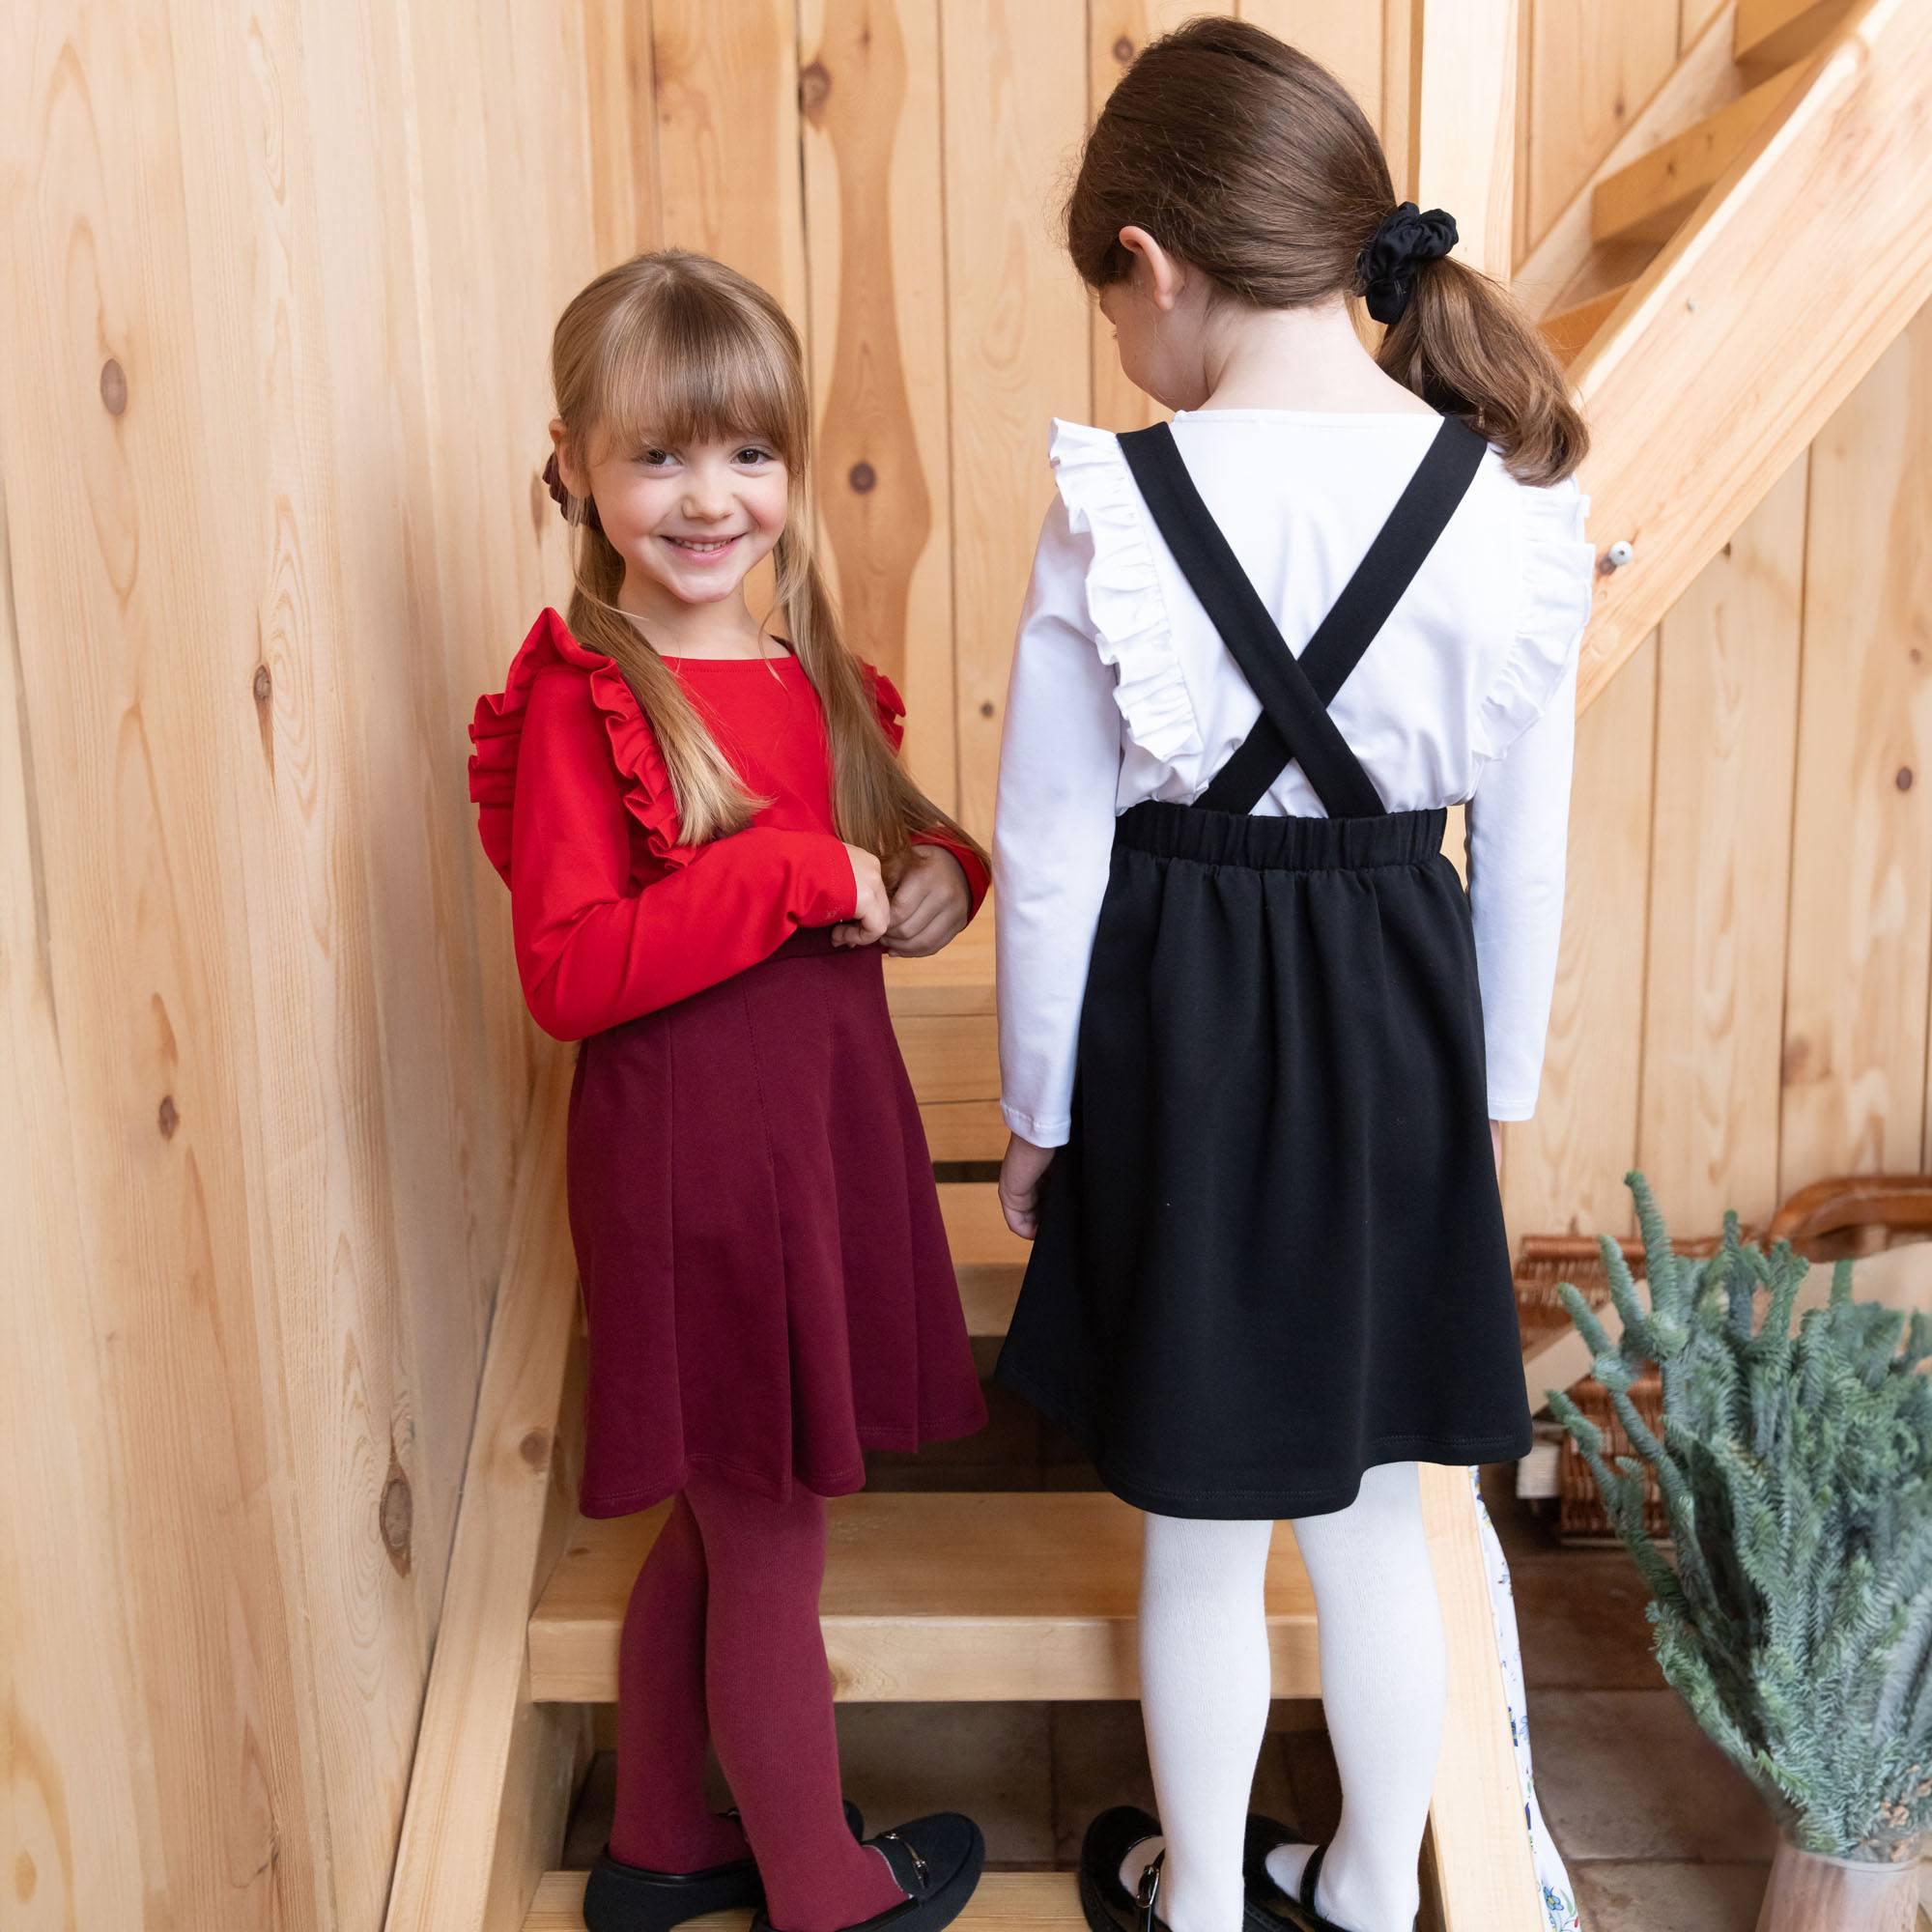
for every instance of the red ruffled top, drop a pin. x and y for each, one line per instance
(612, 916)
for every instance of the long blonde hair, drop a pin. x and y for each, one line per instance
(678, 346)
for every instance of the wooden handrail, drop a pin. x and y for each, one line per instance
(1757, 319)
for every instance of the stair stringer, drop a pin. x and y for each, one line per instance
(494, 1772)
(1755, 321)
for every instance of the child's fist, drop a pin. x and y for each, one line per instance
(1020, 1176)
(929, 904)
(870, 916)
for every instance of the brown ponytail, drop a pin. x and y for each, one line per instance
(1253, 163)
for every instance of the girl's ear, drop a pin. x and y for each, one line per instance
(574, 479)
(1162, 276)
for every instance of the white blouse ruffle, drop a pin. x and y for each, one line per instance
(1121, 690)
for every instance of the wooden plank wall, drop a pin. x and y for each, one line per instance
(272, 405)
(1742, 999)
(272, 336)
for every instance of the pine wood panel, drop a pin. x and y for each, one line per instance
(975, 1228)
(1592, 68)
(1720, 853)
(1757, 319)
(1563, 1169)
(626, 217)
(1645, 201)
(728, 139)
(949, 1058)
(1117, 30)
(1015, 106)
(1773, 33)
(1861, 925)
(875, 216)
(933, 1597)
(969, 1131)
(1570, 330)
(268, 532)
(1566, 265)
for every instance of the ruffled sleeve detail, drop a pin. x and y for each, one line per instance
(1556, 579)
(1125, 601)
(497, 733)
(887, 702)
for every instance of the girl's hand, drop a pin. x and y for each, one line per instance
(868, 921)
(931, 904)
(1020, 1176)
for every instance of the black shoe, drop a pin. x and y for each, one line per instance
(936, 1861)
(1265, 1897)
(1107, 1903)
(633, 1898)
(1109, 1906)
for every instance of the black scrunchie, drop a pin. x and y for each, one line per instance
(1406, 238)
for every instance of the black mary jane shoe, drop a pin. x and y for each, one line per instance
(936, 1861)
(634, 1898)
(1265, 1897)
(1108, 1905)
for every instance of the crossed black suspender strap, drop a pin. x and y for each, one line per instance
(1295, 692)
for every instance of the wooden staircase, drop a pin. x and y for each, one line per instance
(1742, 257)
(929, 1596)
(1736, 266)
(1741, 73)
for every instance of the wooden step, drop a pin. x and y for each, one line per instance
(1570, 331)
(943, 1013)
(1648, 200)
(964, 1130)
(975, 1229)
(931, 1597)
(1767, 35)
(987, 1255)
(1005, 1902)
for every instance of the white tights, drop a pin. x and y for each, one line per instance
(1205, 1688)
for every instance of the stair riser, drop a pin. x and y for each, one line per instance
(940, 1661)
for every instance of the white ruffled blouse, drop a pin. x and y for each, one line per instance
(1122, 691)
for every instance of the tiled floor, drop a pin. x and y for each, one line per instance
(1661, 1833)
(1658, 1830)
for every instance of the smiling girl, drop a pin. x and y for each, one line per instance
(709, 842)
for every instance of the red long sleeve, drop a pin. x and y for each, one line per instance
(593, 952)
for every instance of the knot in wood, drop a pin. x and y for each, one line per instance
(113, 386)
(862, 476)
(397, 1513)
(534, 1448)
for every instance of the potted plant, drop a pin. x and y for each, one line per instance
(1792, 1605)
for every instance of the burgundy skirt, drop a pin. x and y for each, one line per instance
(765, 1274)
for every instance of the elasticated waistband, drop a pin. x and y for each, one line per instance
(1280, 844)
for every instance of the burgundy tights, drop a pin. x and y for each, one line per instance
(721, 1645)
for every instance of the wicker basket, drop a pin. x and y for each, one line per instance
(1542, 1260)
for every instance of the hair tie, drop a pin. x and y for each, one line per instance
(1404, 239)
(575, 509)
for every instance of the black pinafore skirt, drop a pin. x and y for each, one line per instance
(1273, 1253)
